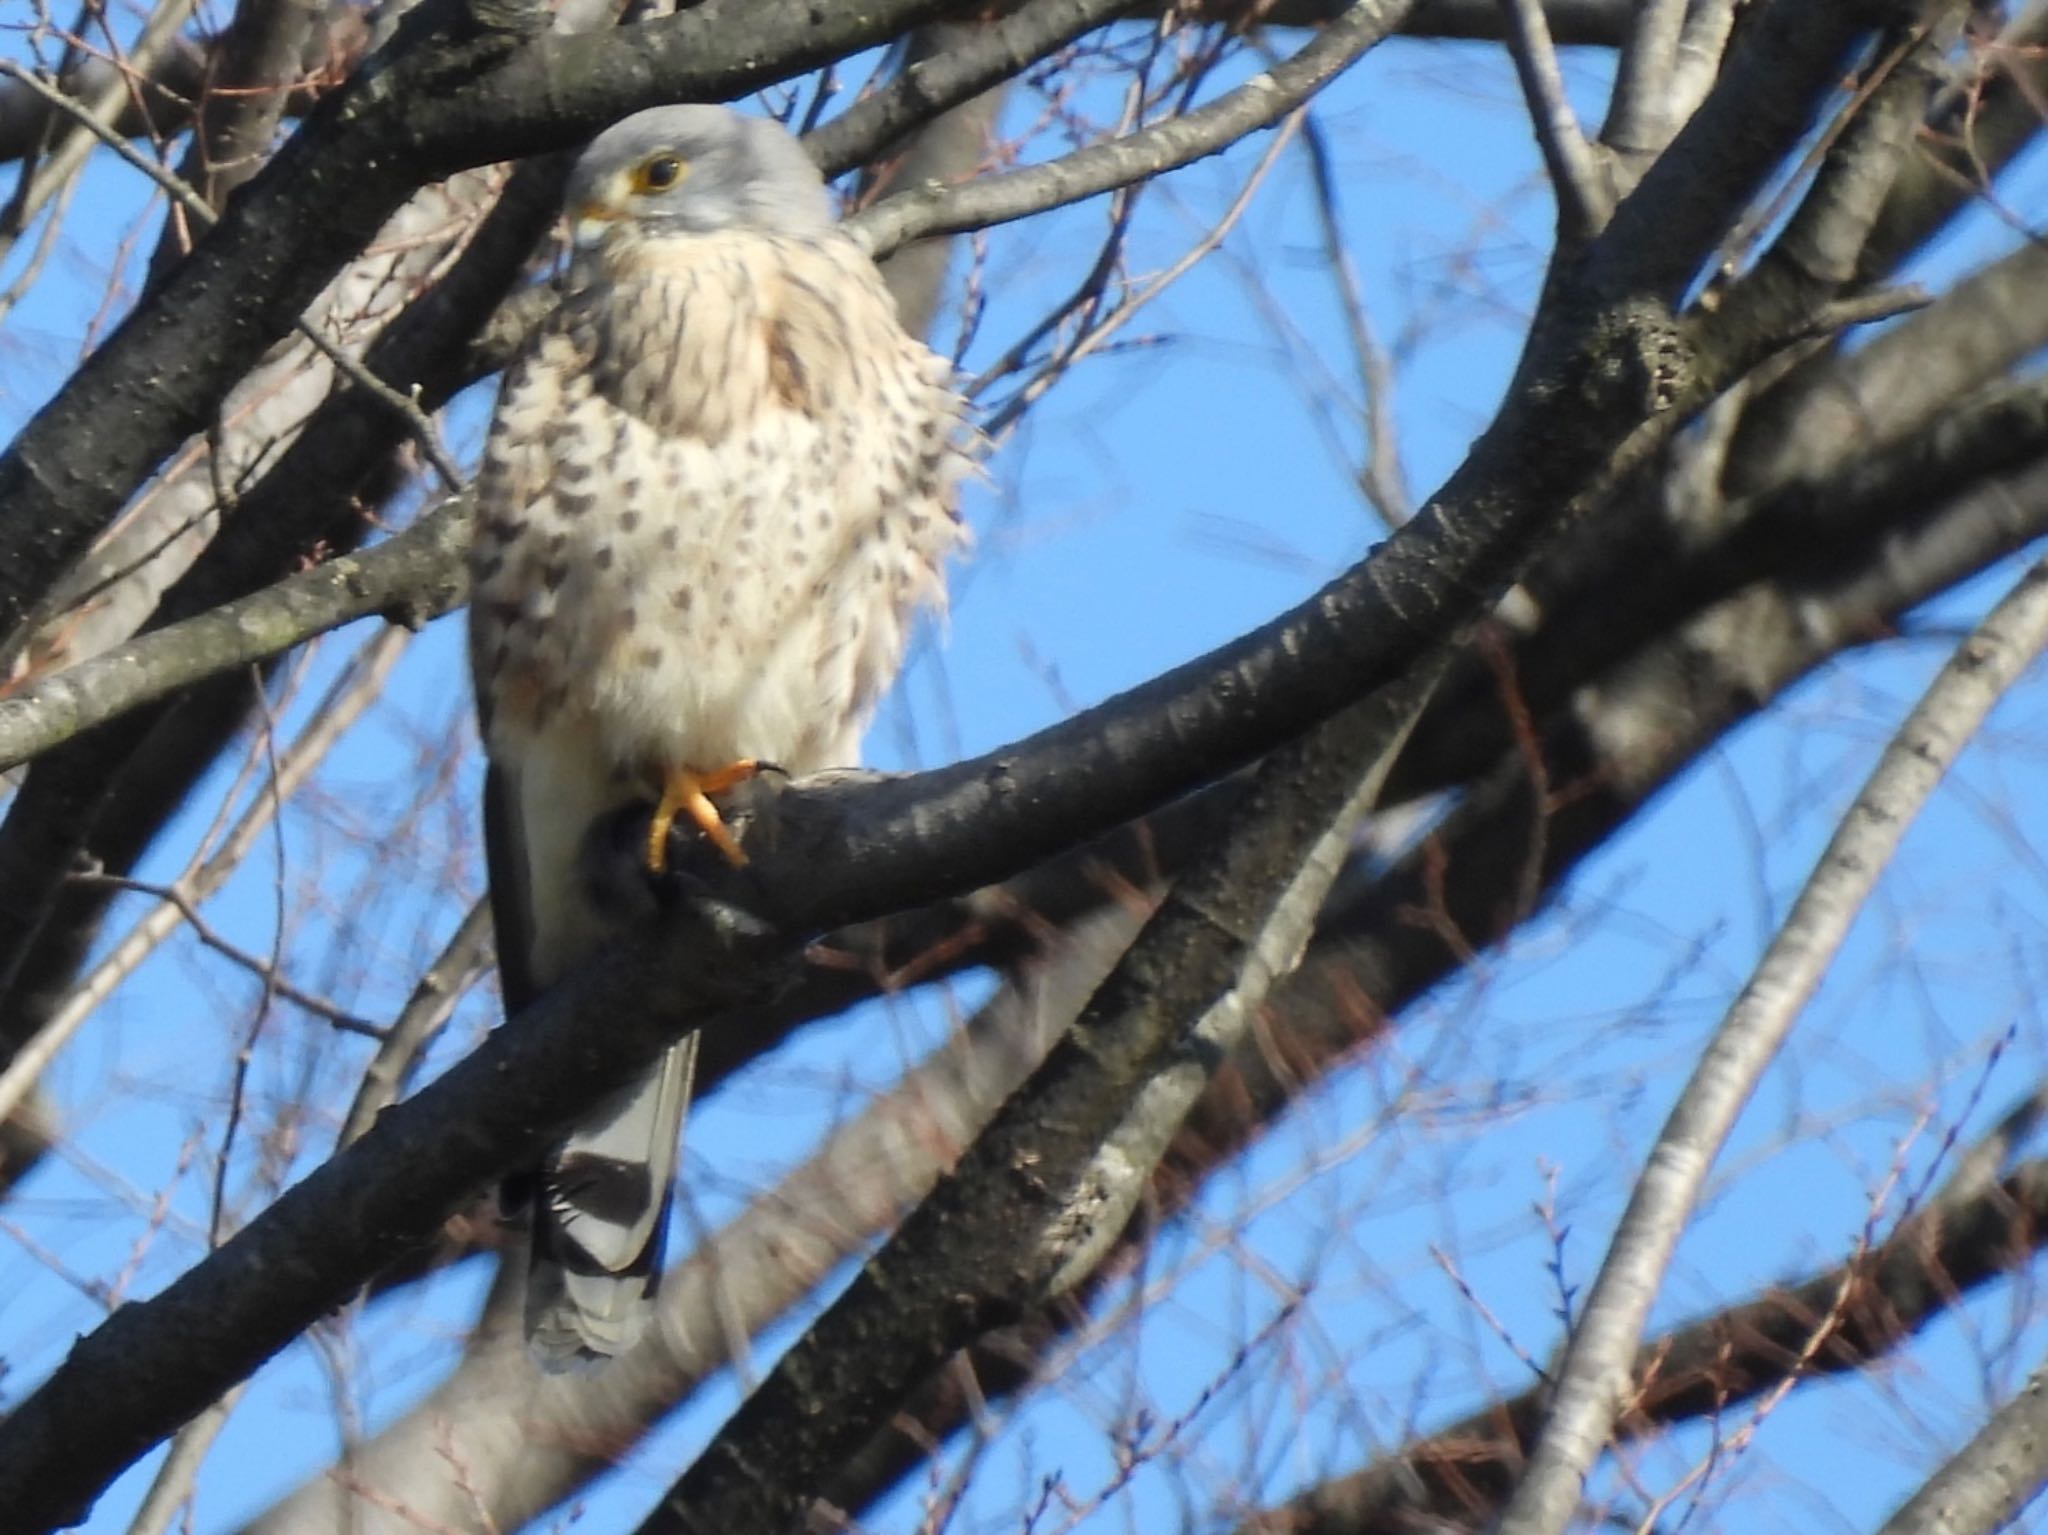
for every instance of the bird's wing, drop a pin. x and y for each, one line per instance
(511, 904)
(601, 1219)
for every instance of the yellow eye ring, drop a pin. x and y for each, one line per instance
(658, 173)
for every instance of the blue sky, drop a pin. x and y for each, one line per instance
(1383, 1260)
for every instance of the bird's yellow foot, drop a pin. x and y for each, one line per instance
(688, 793)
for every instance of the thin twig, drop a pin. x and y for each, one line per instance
(343, 707)
(1097, 336)
(1381, 476)
(1163, 146)
(255, 964)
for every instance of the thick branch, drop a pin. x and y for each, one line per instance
(1987, 1484)
(1046, 1190)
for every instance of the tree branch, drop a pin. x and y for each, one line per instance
(1594, 1375)
(1041, 1195)
(410, 578)
(1986, 1485)
(1583, 200)
(1864, 1310)
(1157, 148)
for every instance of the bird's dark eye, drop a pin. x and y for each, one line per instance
(658, 174)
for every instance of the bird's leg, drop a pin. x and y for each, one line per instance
(689, 793)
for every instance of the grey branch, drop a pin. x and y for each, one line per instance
(1988, 1483)
(1151, 151)
(1641, 117)
(1594, 1376)
(411, 578)
(462, 962)
(1829, 1323)
(1576, 174)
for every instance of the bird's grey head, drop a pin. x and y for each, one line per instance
(694, 170)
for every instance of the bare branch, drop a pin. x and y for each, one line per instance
(1583, 199)
(248, 84)
(462, 962)
(173, 1482)
(1986, 1485)
(1593, 1378)
(1863, 402)
(411, 578)
(988, 1244)
(1159, 147)
(1978, 125)
(1933, 1261)
(1816, 255)
(186, 909)
(1641, 118)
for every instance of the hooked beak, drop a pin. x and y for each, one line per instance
(591, 217)
(590, 222)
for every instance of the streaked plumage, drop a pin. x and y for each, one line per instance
(714, 493)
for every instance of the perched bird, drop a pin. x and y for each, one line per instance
(716, 489)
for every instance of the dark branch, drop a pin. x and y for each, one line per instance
(1047, 1188)
(1787, 60)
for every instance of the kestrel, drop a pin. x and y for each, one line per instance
(717, 488)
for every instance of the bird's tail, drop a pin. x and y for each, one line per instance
(600, 1212)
